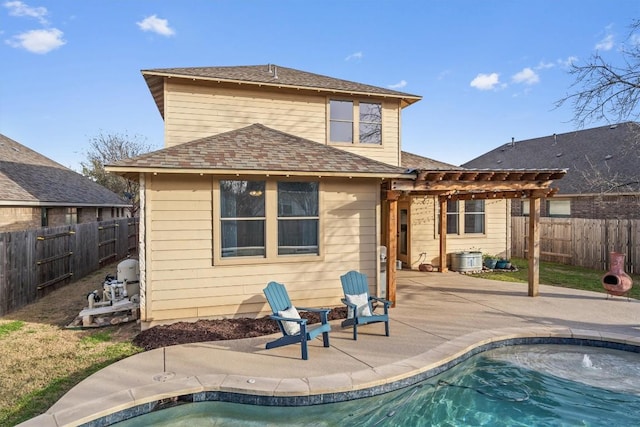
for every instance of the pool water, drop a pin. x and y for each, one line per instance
(523, 385)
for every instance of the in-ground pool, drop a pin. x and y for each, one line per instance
(521, 385)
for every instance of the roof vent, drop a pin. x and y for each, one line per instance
(559, 155)
(555, 138)
(269, 66)
(608, 157)
(499, 161)
(275, 72)
(16, 149)
(613, 126)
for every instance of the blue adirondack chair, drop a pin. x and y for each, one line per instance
(358, 301)
(294, 329)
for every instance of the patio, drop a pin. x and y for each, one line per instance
(438, 317)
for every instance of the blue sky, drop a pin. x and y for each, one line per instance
(487, 70)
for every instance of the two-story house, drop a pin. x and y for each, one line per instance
(270, 173)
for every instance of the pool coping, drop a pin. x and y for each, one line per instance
(315, 390)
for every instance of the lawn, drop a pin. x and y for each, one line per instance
(566, 276)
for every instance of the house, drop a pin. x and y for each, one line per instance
(37, 192)
(271, 173)
(603, 164)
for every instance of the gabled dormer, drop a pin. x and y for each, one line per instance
(205, 101)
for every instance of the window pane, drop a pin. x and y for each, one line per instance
(370, 123)
(243, 238)
(297, 218)
(474, 216)
(452, 217)
(370, 133)
(341, 132)
(559, 207)
(341, 121)
(297, 236)
(241, 199)
(297, 199)
(341, 110)
(238, 200)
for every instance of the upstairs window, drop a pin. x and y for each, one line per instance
(298, 218)
(242, 218)
(346, 116)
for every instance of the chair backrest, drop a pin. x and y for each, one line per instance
(277, 297)
(354, 283)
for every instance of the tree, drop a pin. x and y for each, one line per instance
(609, 92)
(605, 91)
(108, 149)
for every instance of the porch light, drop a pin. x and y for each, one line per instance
(255, 193)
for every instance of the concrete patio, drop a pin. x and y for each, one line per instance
(438, 317)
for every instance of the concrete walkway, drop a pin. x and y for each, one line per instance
(438, 317)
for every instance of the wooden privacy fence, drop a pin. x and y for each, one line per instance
(581, 242)
(34, 262)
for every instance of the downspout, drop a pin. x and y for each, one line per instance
(142, 249)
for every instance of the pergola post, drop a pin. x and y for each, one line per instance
(534, 246)
(392, 243)
(443, 234)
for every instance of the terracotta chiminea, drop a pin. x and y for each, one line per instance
(616, 281)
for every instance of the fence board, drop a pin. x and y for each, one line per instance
(34, 262)
(581, 242)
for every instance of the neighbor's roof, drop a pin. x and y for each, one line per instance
(414, 161)
(591, 156)
(257, 149)
(28, 178)
(268, 75)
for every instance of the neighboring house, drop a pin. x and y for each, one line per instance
(270, 173)
(37, 192)
(603, 170)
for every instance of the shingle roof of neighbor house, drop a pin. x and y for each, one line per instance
(261, 149)
(268, 75)
(591, 156)
(414, 161)
(29, 178)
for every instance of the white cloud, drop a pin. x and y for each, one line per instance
(485, 81)
(18, 8)
(357, 56)
(399, 85)
(544, 65)
(605, 44)
(565, 63)
(38, 41)
(156, 25)
(526, 76)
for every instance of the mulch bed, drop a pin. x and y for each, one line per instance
(217, 330)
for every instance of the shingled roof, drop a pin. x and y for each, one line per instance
(415, 161)
(595, 158)
(268, 75)
(29, 178)
(257, 149)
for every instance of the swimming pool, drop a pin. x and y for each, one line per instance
(541, 384)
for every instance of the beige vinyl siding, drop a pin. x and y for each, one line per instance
(425, 239)
(185, 284)
(194, 112)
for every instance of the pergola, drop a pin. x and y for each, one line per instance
(466, 184)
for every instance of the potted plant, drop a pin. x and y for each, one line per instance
(503, 264)
(490, 261)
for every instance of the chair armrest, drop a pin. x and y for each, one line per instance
(287, 319)
(381, 300)
(348, 304)
(314, 310)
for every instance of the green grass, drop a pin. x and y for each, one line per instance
(36, 403)
(566, 276)
(7, 328)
